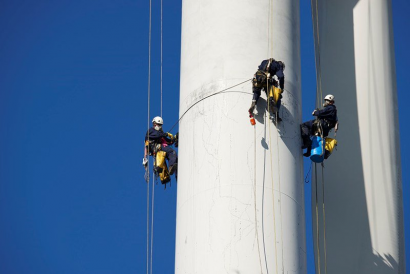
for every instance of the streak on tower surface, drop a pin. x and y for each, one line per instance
(223, 42)
(363, 188)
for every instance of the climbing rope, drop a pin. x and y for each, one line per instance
(319, 96)
(148, 125)
(317, 225)
(280, 194)
(273, 198)
(226, 90)
(161, 60)
(324, 216)
(254, 192)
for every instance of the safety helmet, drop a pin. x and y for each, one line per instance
(329, 97)
(158, 120)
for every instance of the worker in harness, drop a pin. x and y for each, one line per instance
(326, 120)
(265, 75)
(156, 140)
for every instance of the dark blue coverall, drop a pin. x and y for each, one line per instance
(259, 83)
(157, 137)
(327, 119)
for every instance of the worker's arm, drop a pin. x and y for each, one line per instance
(169, 138)
(277, 69)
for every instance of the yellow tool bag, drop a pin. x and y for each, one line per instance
(161, 167)
(329, 146)
(275, 93)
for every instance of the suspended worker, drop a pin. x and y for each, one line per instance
(265, 76)
(157, 140)
(326, 120)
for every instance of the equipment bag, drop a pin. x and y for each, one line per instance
(275, 92)
(329, 146)
(317, 152)
(161, 167)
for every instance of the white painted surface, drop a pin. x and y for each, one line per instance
(223, 42)
(363, 188)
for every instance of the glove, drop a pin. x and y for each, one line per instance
(144, 162)
(314, 112)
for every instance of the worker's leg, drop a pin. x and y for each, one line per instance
(255, 98)
(306, 132)
(172, 158)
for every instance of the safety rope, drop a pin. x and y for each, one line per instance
(161, 59)
(324, 216)
(152, 218)
(280, 192)
(319, 96)
(271, 174)
(148, 124)
(317, 225)
(254, 192)
(226, 90)
(153, 181)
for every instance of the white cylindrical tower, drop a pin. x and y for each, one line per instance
(363, 219)
(240, 205)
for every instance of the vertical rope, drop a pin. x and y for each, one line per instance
(152, 218)
(161, 59)
(254, 191)
(324, 217)
(317, 225)
(280, 194)
(319, 97)
(315, 21)
(273, 198)
(148, 124)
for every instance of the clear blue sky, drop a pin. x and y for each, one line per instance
(73, 113)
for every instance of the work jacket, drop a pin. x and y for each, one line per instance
(158, 137)
(329, 114)
(275, 68)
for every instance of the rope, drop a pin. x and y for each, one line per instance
(254, 191)
(280, 192)
(271, 174)
(152, 219)
(324, 216)
(319, 96)
(307, 175)
(161, 59)
(213, 94)
(317, 226)
(315, 19)
(148, 124)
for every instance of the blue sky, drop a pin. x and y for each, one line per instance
(73, 113)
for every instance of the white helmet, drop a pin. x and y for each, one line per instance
(158, 120)
(329, 97)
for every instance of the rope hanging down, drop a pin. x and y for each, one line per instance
(148, 124)
(319, 96)
(270, 49)
(150, 244)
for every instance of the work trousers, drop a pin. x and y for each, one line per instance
(171, 155)
(308, 129)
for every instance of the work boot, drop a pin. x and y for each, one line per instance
(173, 168)
(253, 105)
